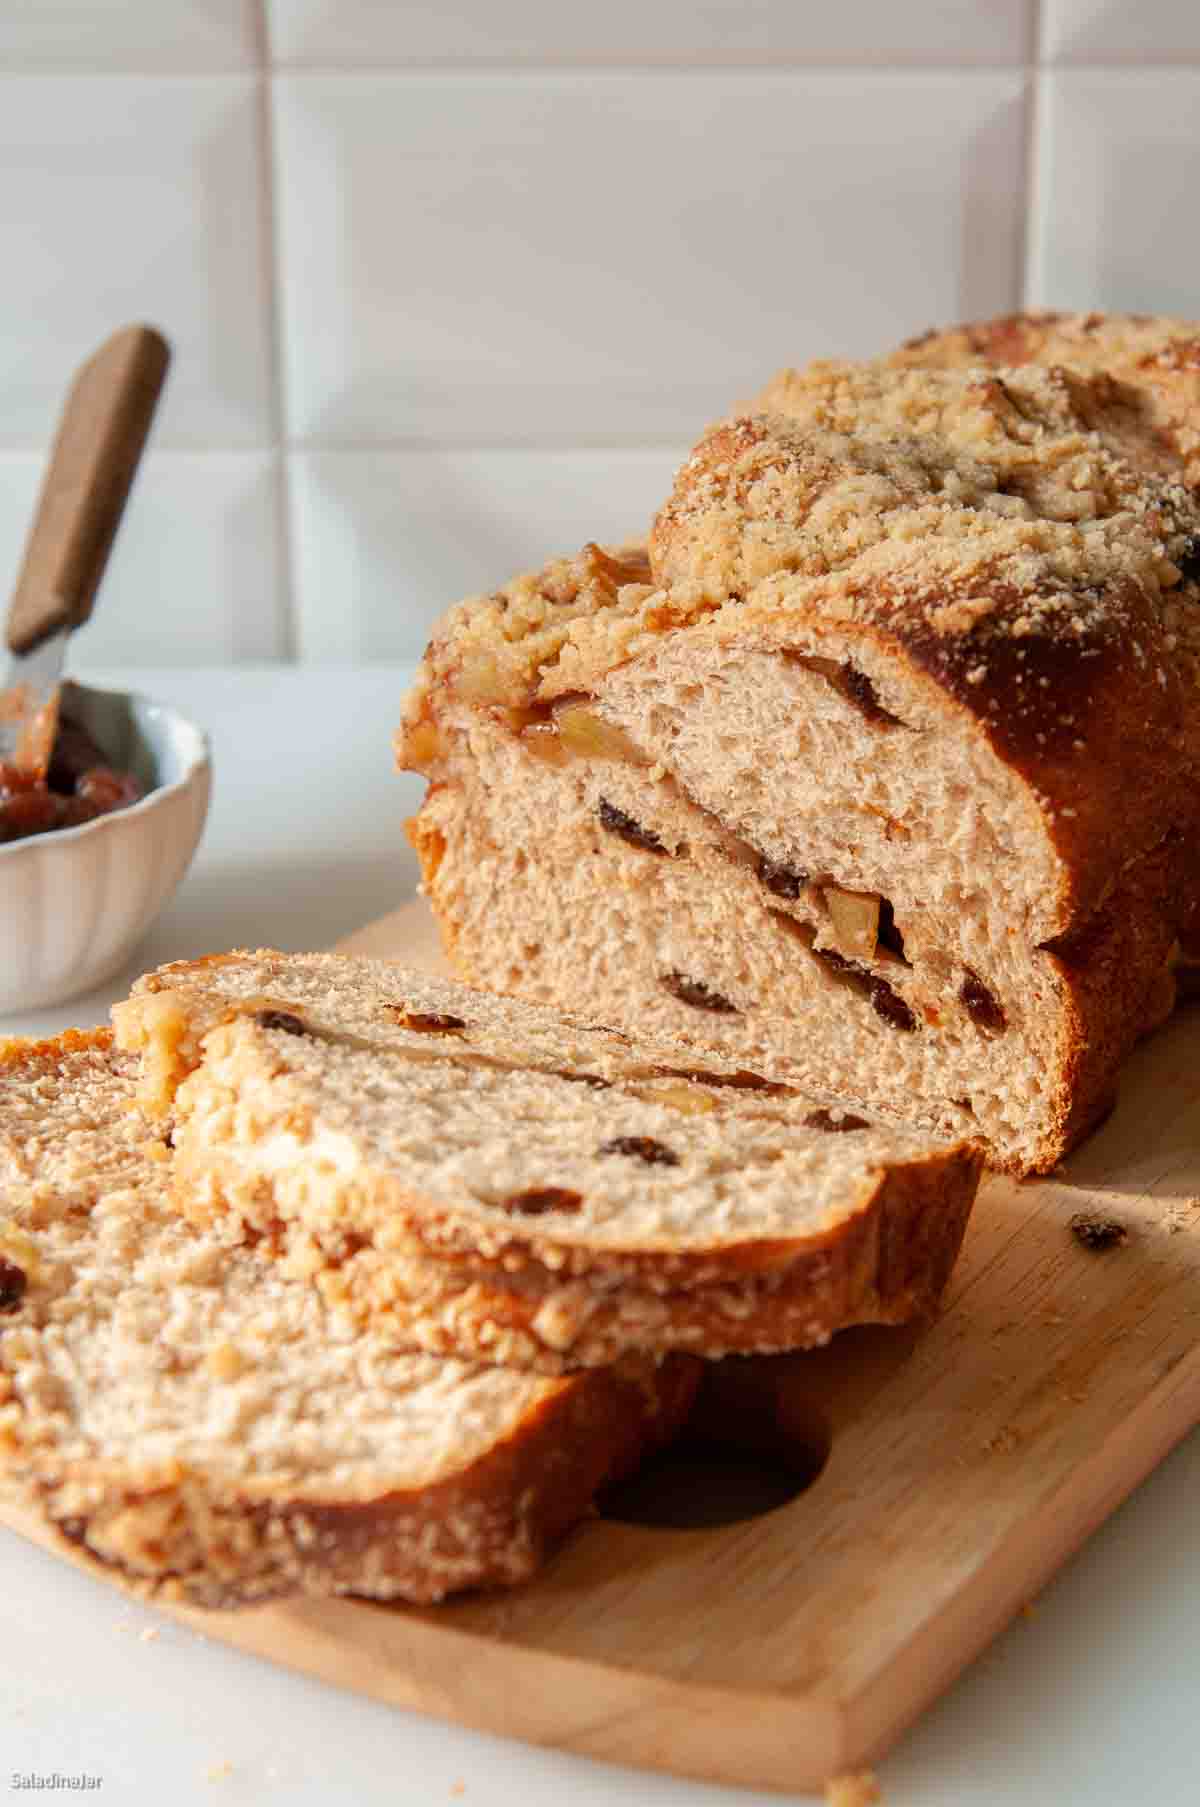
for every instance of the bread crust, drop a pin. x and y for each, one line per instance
(170, 1537)
(1112, 963)
(889, 1265)
(1153, 366)
(541, 1306)
(206, 1531)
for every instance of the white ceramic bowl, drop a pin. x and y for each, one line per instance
(73, 904)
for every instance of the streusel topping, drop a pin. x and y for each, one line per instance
(952, 505)
(1154, 359)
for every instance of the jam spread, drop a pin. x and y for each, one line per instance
(78, 786)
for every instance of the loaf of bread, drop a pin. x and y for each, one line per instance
(881, 781)
(480, 1175)
(194, 1420)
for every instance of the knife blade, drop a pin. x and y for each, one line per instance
(29, 705)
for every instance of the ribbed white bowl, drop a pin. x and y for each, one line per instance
(74, 904)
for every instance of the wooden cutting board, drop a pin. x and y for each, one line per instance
(963, 1464)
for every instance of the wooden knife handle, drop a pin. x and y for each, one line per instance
(100, 436)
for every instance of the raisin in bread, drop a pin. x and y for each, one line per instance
(191, 1418)
(885, 784)
(482, 1175)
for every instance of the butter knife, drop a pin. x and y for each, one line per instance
(105, 421)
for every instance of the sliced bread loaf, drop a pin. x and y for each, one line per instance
(887, 782)
(190, 1417)
(487, 1176)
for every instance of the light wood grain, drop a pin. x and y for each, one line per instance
(966, 1462)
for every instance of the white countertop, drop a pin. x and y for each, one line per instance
(1093, 1698)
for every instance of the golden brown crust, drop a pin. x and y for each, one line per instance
(887, 1265)
(17, 1050)
(1140, 685)
(938, 1187)
(547, 1306)
(489, 1526)
(1117, 980)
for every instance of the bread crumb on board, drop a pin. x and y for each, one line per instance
(1182, 1215)
(857, 1790)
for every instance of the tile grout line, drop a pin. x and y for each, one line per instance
(1032, 184)
(677, 446)
(1188, 61)
(1183, 61)
(354, 448)
(285, 603)
(260, 32)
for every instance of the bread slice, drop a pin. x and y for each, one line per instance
(485, 1176)
(887, 783)
(188, 1416)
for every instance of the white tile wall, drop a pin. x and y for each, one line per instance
(191, 35)
(195, 576)
(451, 284)
(384, 539)
(1116, 193)
(124, 196)
(582, 256)
(1147, 31)
(320, 33)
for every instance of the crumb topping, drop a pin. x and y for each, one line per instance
(956, 505)
(1153, 363)
(966, 502)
